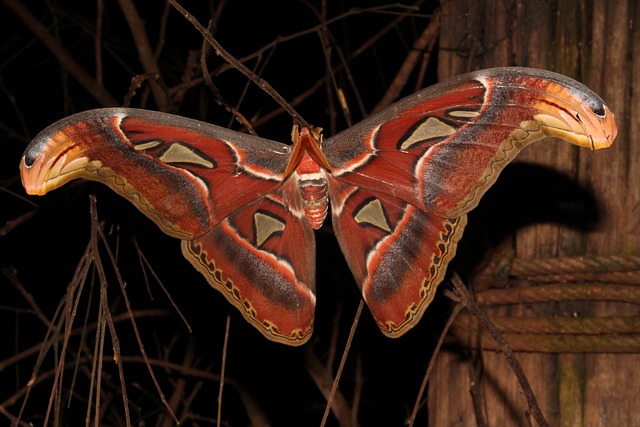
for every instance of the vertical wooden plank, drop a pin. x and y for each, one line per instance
(611, 381)
(531, 29)
(462, 41)
(610, 179)
(541, 240)
(570, 370)
(632, 225)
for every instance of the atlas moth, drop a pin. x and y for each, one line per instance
(399, 186)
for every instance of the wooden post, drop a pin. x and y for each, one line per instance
(598, 43)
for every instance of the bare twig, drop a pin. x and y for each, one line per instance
(257, 415)
(421, 44)
(225, 346)
(364, 47)
(343, 360)
(68, 310)
(4, 364)
(336, 402)
(135, 326)
(436, 351)
(145, 262)
(108, 320)
(260, 82)
(179, 386)
(92, 86)
(146, 54)
(11, 274)
(216, 92)
(14, 420)
(471, 305)
(162, 32)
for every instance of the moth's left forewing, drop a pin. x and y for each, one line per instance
(403, 181)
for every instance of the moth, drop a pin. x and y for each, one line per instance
(399, 186)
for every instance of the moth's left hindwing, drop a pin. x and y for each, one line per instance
(397, 252)
(262, 258)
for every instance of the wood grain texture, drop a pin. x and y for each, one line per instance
(594, 42)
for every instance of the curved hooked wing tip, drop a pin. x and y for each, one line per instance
(576, 115)
(96, 145)
(561, 106)
(52, 159)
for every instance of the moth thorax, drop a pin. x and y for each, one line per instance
(315, 200)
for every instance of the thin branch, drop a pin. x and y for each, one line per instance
(12, 275)
(336, 402)
(92, 86)
(108, 320)
(225, 346)
(70, 309)
(471, 305)
(146, 54)
(145, 262)
(423, 386)
(259, 81)
(134, 324)
(343, 360)
(364, 47)
(421, 44)
(179, 386)
(216, 92)
(4, 364)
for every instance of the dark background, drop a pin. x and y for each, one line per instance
(42, 251)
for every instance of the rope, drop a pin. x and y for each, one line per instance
(595, 279)
(573, 265)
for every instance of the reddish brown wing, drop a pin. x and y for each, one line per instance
(400, 184)
(262, 258)
(399, 254)
(419, 166)
(185, 175)
(218, 190)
